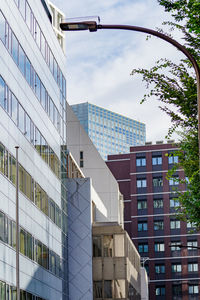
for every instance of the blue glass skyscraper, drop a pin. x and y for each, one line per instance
(110, 132)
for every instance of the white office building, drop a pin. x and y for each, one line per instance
(33, 116)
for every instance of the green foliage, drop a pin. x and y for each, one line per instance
(184, 10)
(174, 86)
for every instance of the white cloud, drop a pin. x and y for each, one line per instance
(99, 64)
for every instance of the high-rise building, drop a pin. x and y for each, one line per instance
(150, 219)
(110, 132)
(33, 117)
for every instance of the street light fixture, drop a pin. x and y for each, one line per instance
(92, 26)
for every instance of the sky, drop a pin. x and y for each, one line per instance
(99, 64)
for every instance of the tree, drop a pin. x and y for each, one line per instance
(177, 95)
(184, 10)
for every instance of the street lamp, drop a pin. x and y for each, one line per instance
(92, 26)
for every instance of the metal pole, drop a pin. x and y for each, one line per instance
(174, 43)
(17, 225)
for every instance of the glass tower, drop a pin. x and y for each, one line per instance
(110, 132)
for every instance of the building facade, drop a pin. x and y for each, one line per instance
(150, 219)
(33, 117)
(110, 132)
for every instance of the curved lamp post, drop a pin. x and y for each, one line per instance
(92, 26)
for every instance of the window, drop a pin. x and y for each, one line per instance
(160, 269)
(160, 291)
(142, 204)
(142, 226)
(192, 267)
(159, 247)
(97, 289)
(157, 181)
(22, 241)
(107, 288)
(141, 183)
(2, 226)
(28, 71)
(143, 248)
(107, 245)
(174, 181)
(176, 290)
(175, 246)
(157, 160)
(14, 109)
(81, 159)
(2, 290)
(141, 162)
(96, 246)
(158, 225)
(2, 27)
(175, 224)
(21, 60)
(172, 159)
(14, 49)
(21, 119)
(176, 268)
(2, 92)
(174, 203)
(193, 289)
(190, 225)
(191, 244)
(158, 203)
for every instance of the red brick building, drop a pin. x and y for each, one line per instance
(149, 217)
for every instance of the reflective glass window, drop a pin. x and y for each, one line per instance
(22, 241)
(21, 60)
(2, 91)
(39, 253)
(43, 42)
(37, 33)
(29, 246)
(14, 50)
(2, 226)
(52, 266)
(37, 140)
(38, 195)
(22, 8)
(52, 210)
(2, 27)
(44, 202)
(2, 290)
(13, 234)
(28, 15)
(51, 110)
(45, 257)
(43, 96)
(28, 127)
(2, 158)
(22, 183)
(21, 123)
(32, 133)
(37, 86)
(51, 61)
(28, 185)
(14, 109)
(28, 71)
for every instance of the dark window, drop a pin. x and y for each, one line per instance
(96, 246)
(97, 289)
(157, 160)
(176, 268)
(142, 226)
(107, 288)
(81, 159)
(158, 203)
(143, 248)
(193, 289)
(176, 290)
(157, 181)
(141, 183)
(160, 291)
(158, 225)
(142, 204)
(160, 268)
(141, 162)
